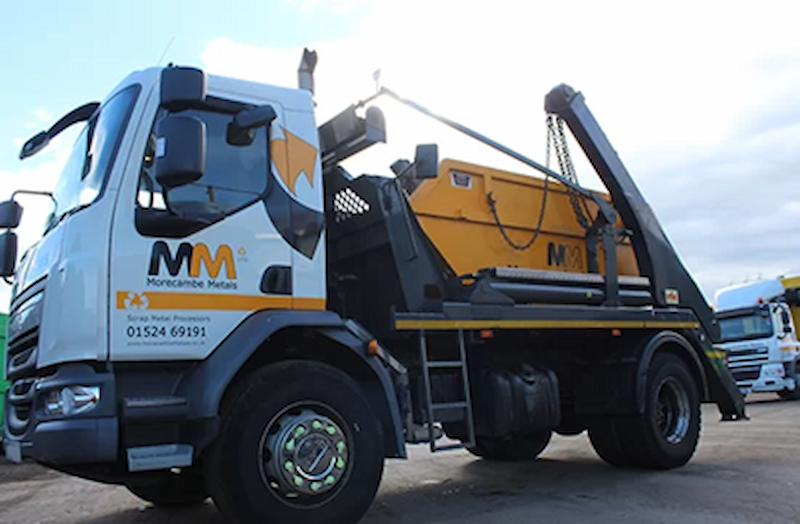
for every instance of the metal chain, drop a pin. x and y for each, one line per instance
(556, 131)
(538, 230)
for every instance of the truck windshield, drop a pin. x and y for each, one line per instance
(85, 174)
(757, 324)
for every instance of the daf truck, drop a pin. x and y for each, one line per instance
(758, 324)
(219, 308)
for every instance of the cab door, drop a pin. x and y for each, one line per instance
(190, 264)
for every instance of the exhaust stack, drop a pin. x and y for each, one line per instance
(305, 73)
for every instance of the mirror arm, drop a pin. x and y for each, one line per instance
(39, 193)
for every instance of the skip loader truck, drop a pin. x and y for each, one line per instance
(218, 308)
(758, 331)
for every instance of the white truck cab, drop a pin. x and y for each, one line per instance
(759, 335)
(152, 259)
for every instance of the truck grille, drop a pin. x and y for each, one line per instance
(20, 368)
(746, 373)
(22, 353)
(747, 362)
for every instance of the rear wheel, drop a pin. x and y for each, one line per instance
(608, 443)
(173, 490)
(666, 435)
(299, 444)
(515, 448)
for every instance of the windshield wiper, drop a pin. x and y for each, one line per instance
(40, 141)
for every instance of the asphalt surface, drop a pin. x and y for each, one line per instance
(743, 472)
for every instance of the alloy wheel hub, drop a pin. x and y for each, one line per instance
(304, 454)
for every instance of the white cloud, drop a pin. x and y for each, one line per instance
(700, 100)
(44, 116)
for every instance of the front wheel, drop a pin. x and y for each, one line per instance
(666, 435)
(298, 444)
(171, 490)
(793, 394)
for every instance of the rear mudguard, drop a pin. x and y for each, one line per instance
(708, 367)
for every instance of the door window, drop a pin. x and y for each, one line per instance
(235, 176)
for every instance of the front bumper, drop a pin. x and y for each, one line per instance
(765, 377)
(28, 432)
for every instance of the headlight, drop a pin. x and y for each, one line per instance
(773, 370)
(72, 400)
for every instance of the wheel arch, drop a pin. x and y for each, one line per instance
(268, 337)
(674, 343)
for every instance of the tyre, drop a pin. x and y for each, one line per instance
(666, 435)
(517, 448)
(608, 442)
(787, 394)
(298, 444)
(173, 491)
(790, 395)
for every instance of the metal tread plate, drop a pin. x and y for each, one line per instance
(563, 277)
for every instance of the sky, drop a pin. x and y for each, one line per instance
(700, 99)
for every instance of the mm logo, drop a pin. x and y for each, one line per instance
(196, 256)
(564, 256)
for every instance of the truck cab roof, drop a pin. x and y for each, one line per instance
(747, 295)
(241, 90)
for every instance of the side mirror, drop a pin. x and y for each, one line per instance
(10, 214)
(787, 321)
(8, 254)
(241, 131)
(182, 88)
(180, 150)
(426, 161)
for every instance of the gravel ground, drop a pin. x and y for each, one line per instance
(743, 472)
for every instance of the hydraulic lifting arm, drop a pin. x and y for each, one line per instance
(658, 260)
(656, 257)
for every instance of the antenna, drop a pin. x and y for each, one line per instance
(376, 76)
(169, 44)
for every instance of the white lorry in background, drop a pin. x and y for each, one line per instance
(757, 322)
